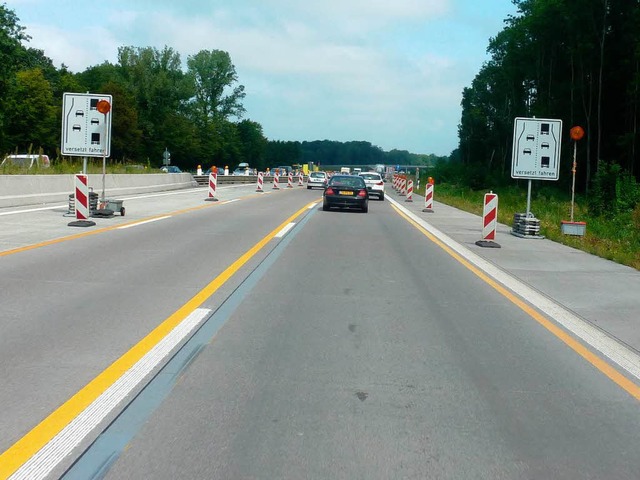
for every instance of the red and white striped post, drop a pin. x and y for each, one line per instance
(81, 202)
(290, 180)
(213, 184)
(489, 221)
(428, 198)
(409, 191)
(276, 180)
(260, 183)
(82, 197)
(403, 187)
(300, 180)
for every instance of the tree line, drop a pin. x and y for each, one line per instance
(196, 113)
(574, 60)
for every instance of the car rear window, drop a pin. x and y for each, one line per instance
(317, 175)
(348, 181)
(370, 176)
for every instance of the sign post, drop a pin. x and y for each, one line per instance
(536, 152)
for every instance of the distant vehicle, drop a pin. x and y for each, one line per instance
(95, 121)
(357, 171)
(527, 151)
(79, 113)
(346, 191)
(544, 145)
(285, 169)
(531, 137)
(345, 170)
(27, 160)
(171, 169)
(379, 169)
(76, 128)
(317, 179)
(374, 183)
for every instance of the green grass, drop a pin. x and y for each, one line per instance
(616, 237)
(70, 167)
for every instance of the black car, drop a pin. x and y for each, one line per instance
(346, 191)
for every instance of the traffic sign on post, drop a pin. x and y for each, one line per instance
(86, 124)
(536, 148)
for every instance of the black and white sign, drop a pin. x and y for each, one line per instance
(536, 148)
(85, 131)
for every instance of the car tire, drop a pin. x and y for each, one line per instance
(325, 207)
(381, 197)
(308, 187)
(365, 208)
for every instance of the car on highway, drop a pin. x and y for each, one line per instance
(374, 183)
(171, 169)
(317, 179)
(346, 191)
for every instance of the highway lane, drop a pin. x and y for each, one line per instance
(366, 351)
(70, 308)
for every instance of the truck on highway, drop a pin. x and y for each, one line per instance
(346, 170)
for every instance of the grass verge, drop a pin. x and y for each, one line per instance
(616, 237)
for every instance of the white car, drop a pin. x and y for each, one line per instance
(317, 179)
(375, 184)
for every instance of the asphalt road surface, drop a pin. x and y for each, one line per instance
(324, 345)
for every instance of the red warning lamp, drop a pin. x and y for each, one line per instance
(576, 133)
(103, 106)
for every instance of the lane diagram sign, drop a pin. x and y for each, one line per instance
(85, 131)
(536, 148)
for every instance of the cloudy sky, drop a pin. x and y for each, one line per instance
(390, 72)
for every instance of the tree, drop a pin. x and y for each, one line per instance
(31, 114)
(11, 37)
(216, 97)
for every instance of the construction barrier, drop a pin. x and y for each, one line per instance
(428, 198)
(81, 202)
(276, 180)
(300, 180)
(409, 191)
(259, 187)
(490, 216)
(213, 183)
(403, 187)
(290, 180)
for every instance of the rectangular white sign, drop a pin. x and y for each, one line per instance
(536, 148)
(85, 131)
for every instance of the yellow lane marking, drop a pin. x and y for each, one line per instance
(14, 457)
(618, 378)
(109, 228)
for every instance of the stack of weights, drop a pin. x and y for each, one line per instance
(93, 202)
(523, 225)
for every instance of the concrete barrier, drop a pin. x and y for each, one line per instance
(20, 190)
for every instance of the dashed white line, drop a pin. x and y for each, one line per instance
(143, 222)
(285, 230)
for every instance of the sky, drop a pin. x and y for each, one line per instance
(389, 72)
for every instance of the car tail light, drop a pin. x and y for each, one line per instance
(380, 183)
(329, 191)
(362, 193)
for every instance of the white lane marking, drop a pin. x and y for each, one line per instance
(312, 206)
(142, 222)
(49, 456)
(231, 201)
(618, 353)
(151, 195)
(285, 230)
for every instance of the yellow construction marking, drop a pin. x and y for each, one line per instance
(14, 457)
(106, 229)
(618, 378)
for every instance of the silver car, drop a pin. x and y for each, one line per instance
(375, 184)
(317, 179)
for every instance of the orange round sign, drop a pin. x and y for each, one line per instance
(577, 133)
(103, 106)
